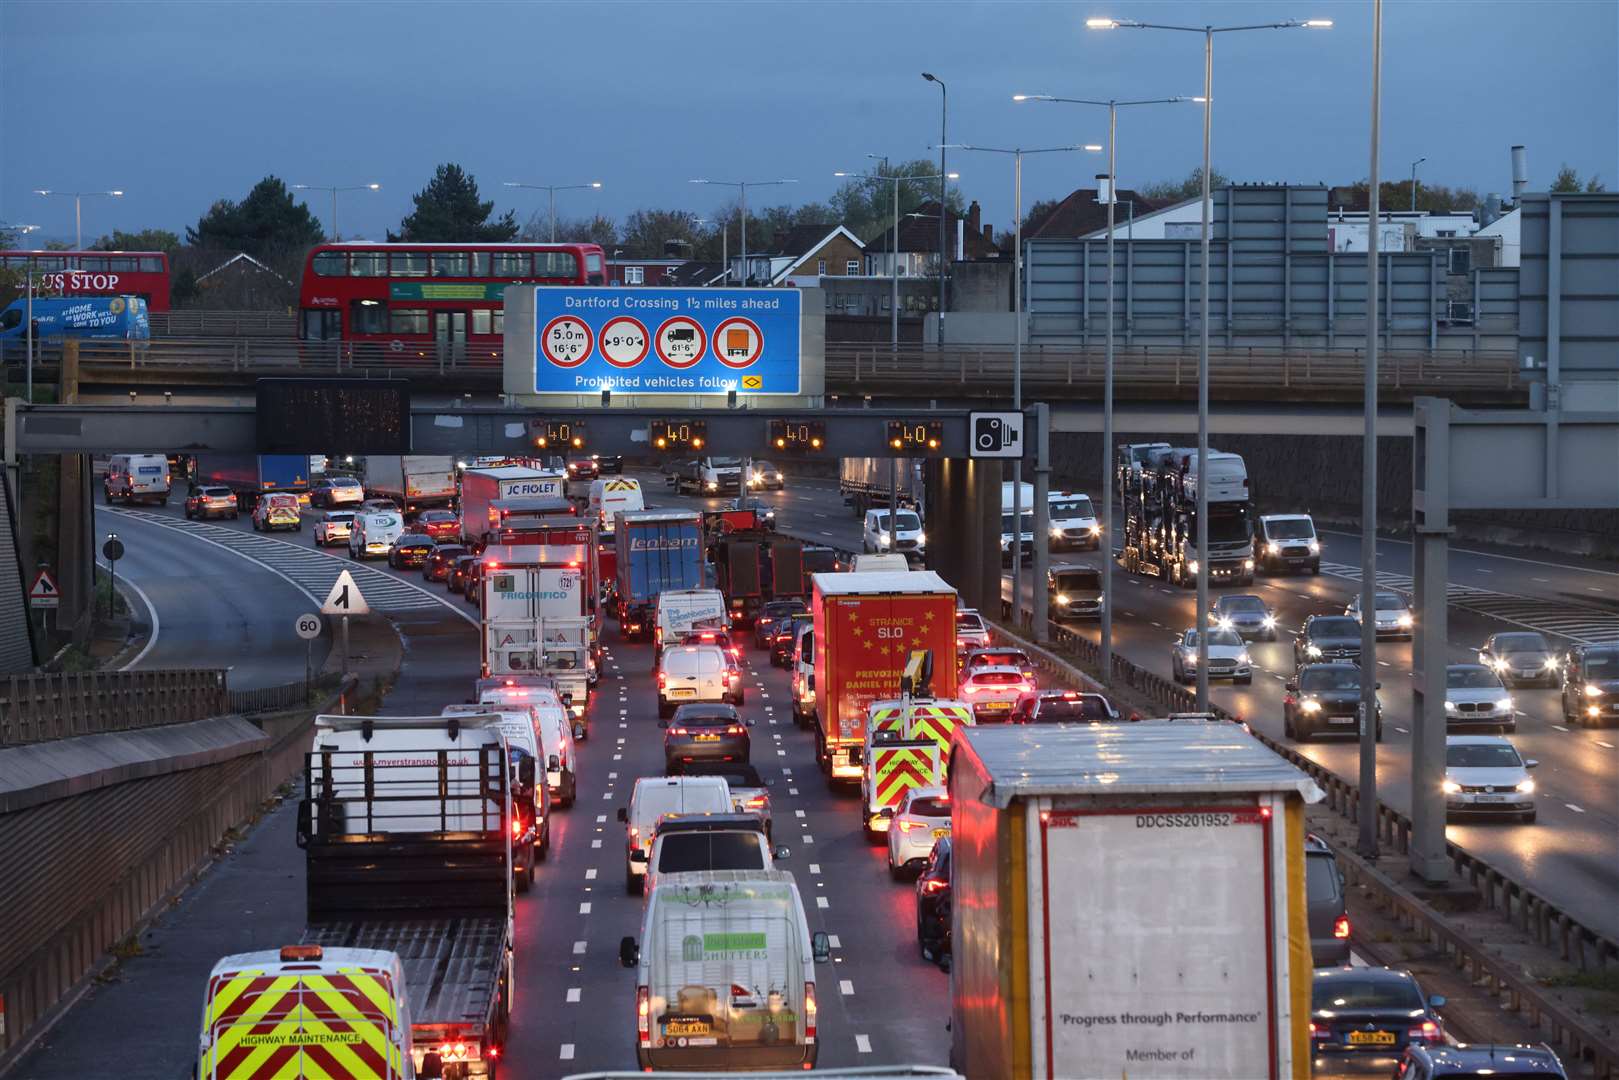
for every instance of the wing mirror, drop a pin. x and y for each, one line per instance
(623, 814)
(782, 852)
(1531, 763)
(820, 947)
(768, 782)
(553, 762)
(750, 721)
(578, 730)
(1291, 686)
(1437, 1001)
(629, 953)
(663, 723)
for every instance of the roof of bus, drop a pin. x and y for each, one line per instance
(87, 251)
(480, 244)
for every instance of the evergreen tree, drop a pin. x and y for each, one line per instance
(448, 210)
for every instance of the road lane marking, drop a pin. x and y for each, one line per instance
(1604, 745)
(584, 907)
(815, 867)
(792, 791)
(618, 757)
(862, 1043)
(573, 995)
(590, 874)
(832, 939)
(781, 753)
(845, 987)
(1560, 727)
(800, 813)
(601, 819)
(822, 902)
(1574, 808)
(579, 948)
(567, 1051)
(786, 772)
(612, 776)
(808, 839)
(596, 843)
(1384, 663)
(607, 794)
(1401, 730)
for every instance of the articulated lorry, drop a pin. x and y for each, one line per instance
(481, 487)
(1158, 497)
(866, 627)
(252, 475)
(867, 483)
(536, 615)
(1132, 903)
(657, 550)
(414, 481)
(406, 826)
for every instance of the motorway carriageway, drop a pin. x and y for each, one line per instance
(1570, 855)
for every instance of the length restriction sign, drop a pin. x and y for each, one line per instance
(738, 342)
(566, 341)
(624, 341)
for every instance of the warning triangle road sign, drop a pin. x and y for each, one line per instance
(345, 598)
(43, 592)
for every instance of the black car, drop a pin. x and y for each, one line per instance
(1324, 699)
(1327, 637)
(782, 638)
(1591, 685)
(1521, 658)
(473, 589)
(609, 464)
(773, 611)
(706, 731)
(933, 905)
(1325, 907)
(1062, 707)
(1471, 1061)
(441, 561)
(460, 572)
(411, 550)
(1374, 1011)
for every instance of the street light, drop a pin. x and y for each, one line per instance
(1414, 165)
(1112, 106)
(78, 217)
(552, 189)
(1017, 353)
(1208, 33)
(743, 186)
(893, 269)
(334, 190)
(944, 173)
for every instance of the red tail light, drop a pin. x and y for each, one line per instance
(809, 1012)
(643, 1015)
(1314, 1031)
(757, 802)
(1428, 1032)
(1340, 927)
(517, 827)
(934, 886)
(678, 731)
(662, 680)
(736, 729)
(911, 826)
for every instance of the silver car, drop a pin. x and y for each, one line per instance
(1485, 775)
(1392, 618)
(1475, 696)
(1228, 657)
(1245, 613)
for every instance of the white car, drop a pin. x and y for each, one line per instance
(1485, 775)
(1393, 618)
(922, 818)
(906, 535)
(1475, 695)
(993, 690)
(971, 633)
(1228, 657)
(334, 527)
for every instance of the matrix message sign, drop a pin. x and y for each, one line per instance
(664, 341)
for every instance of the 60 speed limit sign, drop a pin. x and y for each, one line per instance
(308, 626)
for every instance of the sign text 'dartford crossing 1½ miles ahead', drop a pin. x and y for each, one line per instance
(659, 341)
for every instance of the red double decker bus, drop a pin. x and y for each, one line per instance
(97, 273)
(422, 297)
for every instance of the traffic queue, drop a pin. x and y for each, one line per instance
(418, 831)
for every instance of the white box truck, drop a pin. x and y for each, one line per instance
(725, 973)
(534, 621)
(480, 487)
(1132, 903)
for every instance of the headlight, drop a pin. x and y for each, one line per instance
(1593, 690)
(1224, 624)
(1312, 650)
(1005, 542)
(1056, 532)
(1505, 703)
(882, 538)
(1243, 658)
(1062, 598)
(1247, 564)
(1273, 549)
(712, 485)
(1096, 530)
(1310, 705)
(1551, 663)
(1270, 622)
(1450, 787)
(1498, 664)
(1450, 706)
(1526, 787)
(1405, 618)
(921, 538)
(1315, 547)
(1192, 566)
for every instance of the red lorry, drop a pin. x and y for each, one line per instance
(866, 627)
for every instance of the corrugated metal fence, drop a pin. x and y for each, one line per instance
(37, 708)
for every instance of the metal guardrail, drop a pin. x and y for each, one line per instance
(287, 696)
(37, 708)
(193, 323)
(856, 367)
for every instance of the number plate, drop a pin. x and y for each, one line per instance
(1340, 719)
(686, 1027)
(1371, 1038)
(1490, 798)
(940, 834)
(995, 705)
(682, 692)
(708, 738)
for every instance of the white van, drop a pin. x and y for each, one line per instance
(1287, 542)
(725, 974)
(373, 534)
(863, 563)
(696, 673)
(655, 796)
(802, 666)
(555, 730)
(137, 477)
(682, 610)
(611, 494)
(1072, 520)
(906, 536)
(517, 725)
(1025, 531)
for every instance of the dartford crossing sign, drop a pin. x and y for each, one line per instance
(656, 341)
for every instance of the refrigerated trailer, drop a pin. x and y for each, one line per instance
(1131, 903)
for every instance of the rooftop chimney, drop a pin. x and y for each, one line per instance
(972, 216)
(989, 237)
(1520, 173)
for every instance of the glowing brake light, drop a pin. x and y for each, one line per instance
(678, 731)
(1340, 927)
(643, 1015)
(809, 1012)
(911, 826)
(517, 827)
(301, 952)
(756, 802)
(1428, 1032)
(934, 886)
(736, 729)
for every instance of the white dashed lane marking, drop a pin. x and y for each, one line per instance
(567, 1051)
(579, 948)
(845, 987)
(573, 995)
(821, 902)
(862, 1043)
(1574, 808)
(584, 908)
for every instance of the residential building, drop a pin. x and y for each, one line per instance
(626, 271)
(802, 255)
(918, 251)
(1084, 214)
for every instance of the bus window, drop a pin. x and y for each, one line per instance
(368, 264)
(408, 320)
(512, 264)
(151, 264)
(408, 264)
(123, 264)
(482, 321)
(593, 268)
(480, 264)
(322, 325)
(331, 264)
(450, 263)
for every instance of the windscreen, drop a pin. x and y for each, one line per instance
(683, 851)
(1346, 995)
(1335, 627)
(1290, 529)
(1078, 580)
(1071, 506)
(1602, 665)
(1389, 602)
(1472, 678)
(906, 521)
(1060, 710)
(1217, 637)
(997, 678)
(1481, 756)
(1520, 643)
(725, 463)
(1243, 604)
(930, 807)
(1028, 523)
(1329, 678)
(1229, 525)
(1000, 659)
(968, 621)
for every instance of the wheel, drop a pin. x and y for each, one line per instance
(741, 698)
(1287, 725)
(1315, 568)
(235, 515)
(893, 871)
(1248, 681)
(1379, 736)
(665, 711)
(525, 876)
(1302, 735)
(188, 513)
(298, 527)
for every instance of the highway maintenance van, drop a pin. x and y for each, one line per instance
(305, 1010)
(907, 744)
(1132, 903)
(725, 973)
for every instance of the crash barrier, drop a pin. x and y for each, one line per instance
(223, 324)
(38, 708)
(177, 799)
(271, 698)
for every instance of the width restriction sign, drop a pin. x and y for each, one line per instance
(624, 341)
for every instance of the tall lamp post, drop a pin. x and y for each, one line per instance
(334, 189)
(944, 174)
(1208, 33)
(893, 269)
(1112, 106)
(78, 198)
(1414, 165)
(551, 190)
(742, 186)
(1017, 354)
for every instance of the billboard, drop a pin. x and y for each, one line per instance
(655, 341)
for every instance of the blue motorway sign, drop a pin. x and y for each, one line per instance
(666, 341)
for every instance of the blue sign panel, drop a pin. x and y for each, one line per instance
(666, 341)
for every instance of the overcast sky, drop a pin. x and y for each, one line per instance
(183, 103)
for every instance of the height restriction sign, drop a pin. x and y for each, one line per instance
(566, 341)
